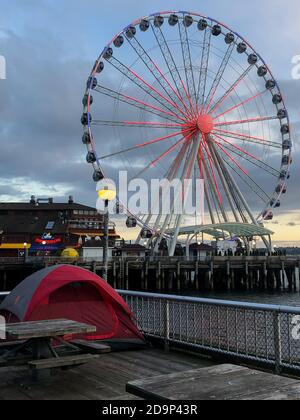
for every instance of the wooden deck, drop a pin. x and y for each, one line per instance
(101, 379)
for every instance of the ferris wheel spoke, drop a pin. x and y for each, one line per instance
(156, 72)
(148, 143)
(142, 124)
(170, 62)
(246, 121)
(230, 90)
(254, 187)
(187, 61)
(163, 155)
(145, 86)
(252, 159)
(218, 78)
(129, 100)
(251, 139)
(235, 146)
(204, 67)
(230, 157)
(240, 104)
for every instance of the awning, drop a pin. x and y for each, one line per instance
(15, 246)
(217, 230)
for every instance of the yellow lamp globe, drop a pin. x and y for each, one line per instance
(107, 195)
(106, 190)
(70, 253)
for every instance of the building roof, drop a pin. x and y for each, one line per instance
(44, 206)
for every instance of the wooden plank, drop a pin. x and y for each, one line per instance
(224, 382)
(91, 346)
(98, 380)
(8, 344)
(48, 328)
(61, 361)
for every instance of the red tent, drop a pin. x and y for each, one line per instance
(71, 292)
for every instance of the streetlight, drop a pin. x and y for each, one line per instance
(106, 194)
(25, 252)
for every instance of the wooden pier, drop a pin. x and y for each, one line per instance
(166, 376)
(102, 379)
(175, 274)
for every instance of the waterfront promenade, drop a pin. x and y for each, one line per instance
(266, 273)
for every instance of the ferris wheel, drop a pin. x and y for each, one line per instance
(180, 95)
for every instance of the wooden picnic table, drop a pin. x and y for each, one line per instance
(47, 329)
(34, 344)
(223, 382)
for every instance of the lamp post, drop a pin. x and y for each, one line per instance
(106, 195)
(25, 252)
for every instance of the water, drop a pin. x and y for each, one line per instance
(269, 298)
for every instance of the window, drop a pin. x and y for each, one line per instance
(50, 225)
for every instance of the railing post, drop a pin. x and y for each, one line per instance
(277, 343)
(167, 326)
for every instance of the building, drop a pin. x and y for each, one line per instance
(131, 251)
(43, 227)
(200, 251)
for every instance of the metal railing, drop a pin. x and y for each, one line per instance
(256, 333)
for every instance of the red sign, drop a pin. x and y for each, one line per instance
(53, 241)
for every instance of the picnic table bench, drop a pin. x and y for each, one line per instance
(33, 345)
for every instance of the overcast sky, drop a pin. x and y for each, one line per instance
(50, 47)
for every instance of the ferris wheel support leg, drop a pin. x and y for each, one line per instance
(212, 217)
(242, 198)
(270, 245)
(168, 218)
(187, 246)
(224, 183)
(236, 187)
(190, 163)
(215, 192)
(171, 175)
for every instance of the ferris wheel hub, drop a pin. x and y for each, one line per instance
(205, 123)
